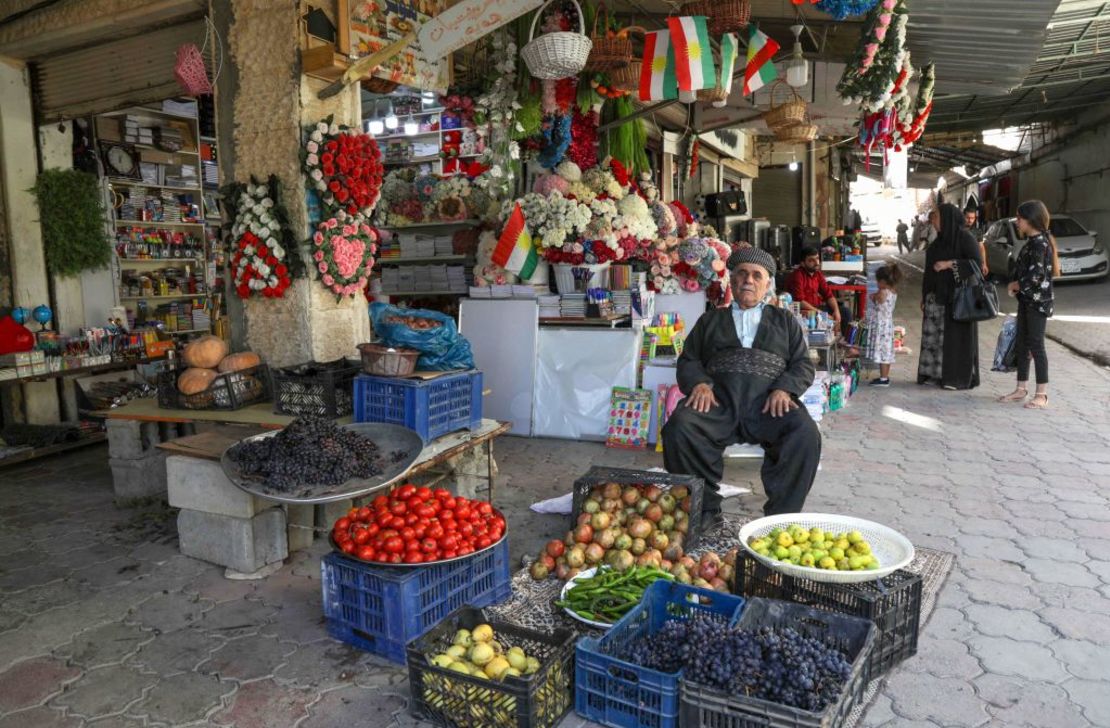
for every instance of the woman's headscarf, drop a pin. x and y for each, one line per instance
(951, 222)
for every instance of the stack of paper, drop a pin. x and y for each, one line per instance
(622, 302)
(573, 305)
(549, 305)
(456, 278)
(480, 292)
(185, 108)
(443, 245)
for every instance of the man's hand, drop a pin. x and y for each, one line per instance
(702, 399)
(942, 265)
(779, 402)
(1013, 288)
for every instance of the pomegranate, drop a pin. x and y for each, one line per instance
(673, 552)
(630, 495)
(707, 570)
(561, 571)
(639, 528)
(576, 557)
(605, 538)
(679, 492)
(584, 533)
(659, 540)
(555, 548)
(639, 546)
(652, 493)
(591, 506)
(538, 571)
(642, 505)
(548, 561)
(594, 553)
(611, 491)
(611, 505)
(666, 523)
(623, 560)
(601, 521)
(584, 518)
(684, 504)
(718, 584)
(623, 542)
(667, 503)
(653, 513)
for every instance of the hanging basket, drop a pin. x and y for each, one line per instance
(561, 54)
(190, 72)
(724, 16)
(786, 114)
(612, 50)
(628, 77)
(797, 133)
(716, 96)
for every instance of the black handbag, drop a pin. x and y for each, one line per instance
(721, 204)
(975, 299)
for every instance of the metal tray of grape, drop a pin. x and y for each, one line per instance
(390, 565)
(399, 446)
(893, 550)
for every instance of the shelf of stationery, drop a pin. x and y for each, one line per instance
(137, 183)
(169, 297)
(410, 294)
(425, 259)
(156, 223)
(438, 223)
(187, 259)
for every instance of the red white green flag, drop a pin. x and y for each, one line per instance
(761, 53)
(515, 251)
(729, 52)
(657, 79)
(693, 56)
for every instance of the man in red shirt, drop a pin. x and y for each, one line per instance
(807, 284)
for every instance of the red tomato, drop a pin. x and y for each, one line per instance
(381, 502)
(484, 542)
(485, 508)
(426, 511)
(373, 528)
(348, 547)
(384, 518)
(442, 493)
(364, 514)
(394, 545)
(462, 511)
(428, 545)
(342, 524)
(411, 519)
(495, 534)
(476, 517)
(450, 542)
(388, 533)
(446, 515)
(361, 536)
(450, 554)
(424, 492)
(396, 558)
(421, 530)
(408, 533)
(341, 538)
(464, 550)
(414, 557)
(412, 545)
(366, 553)
(435, 531)
(448, 503)
(405, 491)
(396, 522)
(398, 508)
(466, 529)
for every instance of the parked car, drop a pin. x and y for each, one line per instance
(1082, 257)
(871, 234)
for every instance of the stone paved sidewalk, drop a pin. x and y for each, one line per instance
(103, 623)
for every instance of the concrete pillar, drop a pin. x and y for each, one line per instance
(28, 261)
(272, 101)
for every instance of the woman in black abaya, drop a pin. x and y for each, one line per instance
(949, 348)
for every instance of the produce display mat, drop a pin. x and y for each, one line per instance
(532, 604)
(398, 448)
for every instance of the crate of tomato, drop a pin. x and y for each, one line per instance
(455, 553)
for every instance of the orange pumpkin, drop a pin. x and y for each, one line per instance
(195, 380)
(206, 352)
(239, 362)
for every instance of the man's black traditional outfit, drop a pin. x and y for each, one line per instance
(742, 377)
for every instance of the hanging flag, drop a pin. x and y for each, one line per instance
(760, 69)
(693, 57)
(729, 52)
(515, 251)
(657, 79)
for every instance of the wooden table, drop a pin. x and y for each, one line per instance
(147, 410)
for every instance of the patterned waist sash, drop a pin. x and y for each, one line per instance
(747, 362)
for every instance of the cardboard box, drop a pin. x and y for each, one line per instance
(107, 129)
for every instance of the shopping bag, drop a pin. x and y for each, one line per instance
(433, 334)
(1005, 354)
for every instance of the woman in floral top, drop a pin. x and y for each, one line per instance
(1037, 264)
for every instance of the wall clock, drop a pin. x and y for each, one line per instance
(120, 160)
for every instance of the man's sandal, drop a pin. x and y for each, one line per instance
(1034, 404)
(1014, 396)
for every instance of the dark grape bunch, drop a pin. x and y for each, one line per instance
(777, 664)
(310, 450)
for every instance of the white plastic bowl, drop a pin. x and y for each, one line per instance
(893, 550)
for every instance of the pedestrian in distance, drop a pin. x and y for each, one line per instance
(879, 347)
(903, 237)
(971, 219)
(1037, 264)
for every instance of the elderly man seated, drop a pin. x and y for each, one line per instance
(742, 370)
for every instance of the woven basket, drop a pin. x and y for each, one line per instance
(611, 50)
(786, 114)
(554, 56)
(628, 77)
(190, 72)
(724, 16)
(716, 96)
(797, 133)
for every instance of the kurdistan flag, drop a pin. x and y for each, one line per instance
(761, 52)
(729, 51)
(693, 57)
(515, 251)
(657, 79)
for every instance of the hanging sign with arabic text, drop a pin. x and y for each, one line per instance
(466, 22)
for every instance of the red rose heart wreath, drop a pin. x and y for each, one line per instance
(344, 167)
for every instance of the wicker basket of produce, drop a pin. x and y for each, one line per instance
(611, 49)
(724, 16)
(388, 361)
(562, 54)
(786, 114)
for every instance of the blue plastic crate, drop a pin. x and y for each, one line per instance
(380, 608)
(432, 408)
(621, 694)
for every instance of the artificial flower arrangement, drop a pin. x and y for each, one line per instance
(500, 106)
(344, 167)
(871, 80)
(343, 249)
(261, 240)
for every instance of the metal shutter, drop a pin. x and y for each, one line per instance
(777, 196)
(111, 76)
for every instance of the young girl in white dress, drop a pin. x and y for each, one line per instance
(879, 347)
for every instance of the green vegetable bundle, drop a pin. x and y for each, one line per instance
(609, 594)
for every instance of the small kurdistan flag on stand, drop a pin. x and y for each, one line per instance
(729, 51)
(693, 56)
(760, 69)
(515, 251)
(657, 79)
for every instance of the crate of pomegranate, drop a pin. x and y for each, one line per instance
(629, 677)
(389, 582)
(473, 671)
(781, 665)
(893, 604)
(657, 509)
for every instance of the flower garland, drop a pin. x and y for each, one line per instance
(261, 240)
(841, 9)
(910, 124)
(344, 167)
(872, 79)
(500, 105)
(343, 253)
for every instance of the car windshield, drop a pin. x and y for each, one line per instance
(1063, 227)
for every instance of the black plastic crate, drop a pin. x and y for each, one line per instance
(315, 388)
(893, 603)
(598, 475)
(705, 707)
(448, 698)
(230, 391)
